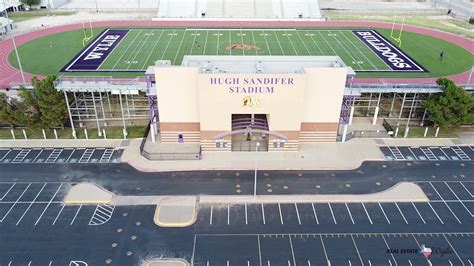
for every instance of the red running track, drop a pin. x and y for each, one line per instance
(9, 74)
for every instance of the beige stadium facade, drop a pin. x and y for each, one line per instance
(297, 98)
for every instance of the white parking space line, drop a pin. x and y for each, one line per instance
(297, 215)
(246, 216)
(405, 219)
(472, 196)
(53, 156)
(396, 153)
(29, 206)
(350, 214)
(281, 216)
(384, 214)
(414, 156)
(388, 247)
(324, 249)
(357, 249)
(6, 154)
(409, 262)
(315, 215)
(332, 213)
(263, 214)
(445, 203)
(416, 209)
(418, 244)
(228, 214)
(460, 153)
(259, 250)
(470, 263)
(106, 156)
(59, 213)
(210, 216)
(448, 158)
(455, 252)
(37, 156)
(368, 216)
(460, 201)
(86, 156)
(49, 203)
(292, 252)
(70, 155)
(21, 156)
(73, 219)
(435, 213)
(428, 153)
(6, 193)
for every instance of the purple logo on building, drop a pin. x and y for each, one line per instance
(93, 55)
(389, 53)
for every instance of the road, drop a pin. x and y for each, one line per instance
(37, 229)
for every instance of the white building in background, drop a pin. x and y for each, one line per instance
(6, 25)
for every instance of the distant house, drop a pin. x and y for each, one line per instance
(6, 25)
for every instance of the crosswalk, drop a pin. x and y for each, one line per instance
(429, 154)
(60, 155)
(396, 152)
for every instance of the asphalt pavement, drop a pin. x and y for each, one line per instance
(37, 229)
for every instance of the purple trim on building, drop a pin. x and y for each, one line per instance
(393, 57)
(93, 55)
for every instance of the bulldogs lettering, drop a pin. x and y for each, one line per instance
(393, 57)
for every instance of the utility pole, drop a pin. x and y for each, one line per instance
(14, 44)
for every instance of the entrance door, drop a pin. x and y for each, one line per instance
(249, 140)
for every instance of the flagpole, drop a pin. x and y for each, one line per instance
(14, 44)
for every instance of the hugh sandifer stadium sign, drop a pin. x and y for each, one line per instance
(253, 85)
(91, 57)
(391, 55)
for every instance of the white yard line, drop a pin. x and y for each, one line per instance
(314, 41)
(138, 51)
(266, 41)
(167, 45)
(278, 40)
(254, 42)
(49, 203)
(292, 45)
(357, 48)
(205, 43)
(304, 44)
(126, 50)
(179, 48)
(194, 42)
(29, 206)
(344, 48)
(152, 50)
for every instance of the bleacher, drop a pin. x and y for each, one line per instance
(261, 9)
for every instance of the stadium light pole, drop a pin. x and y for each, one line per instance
(14, 44)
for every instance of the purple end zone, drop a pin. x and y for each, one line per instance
(389, 53)
(93, 55)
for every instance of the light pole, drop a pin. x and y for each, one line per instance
(14, 44)
(255, 182)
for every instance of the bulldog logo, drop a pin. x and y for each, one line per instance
(244, 47)
(250, 101)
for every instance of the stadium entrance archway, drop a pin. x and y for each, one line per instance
(250, 132)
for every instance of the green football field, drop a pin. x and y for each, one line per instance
(142, 47)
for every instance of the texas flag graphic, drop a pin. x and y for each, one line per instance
(426, 251)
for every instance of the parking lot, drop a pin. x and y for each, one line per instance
(35, 204)
(424, 153)
(333, 249)
(60, 155)
(451, 203)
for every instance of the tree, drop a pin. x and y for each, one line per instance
(30, 2)
(452, 108)
(7, 114)
(26, 109)
(51, 102)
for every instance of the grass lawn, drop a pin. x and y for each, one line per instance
(141, 47)
(111, 132)
(418, 132)
(27, 15)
